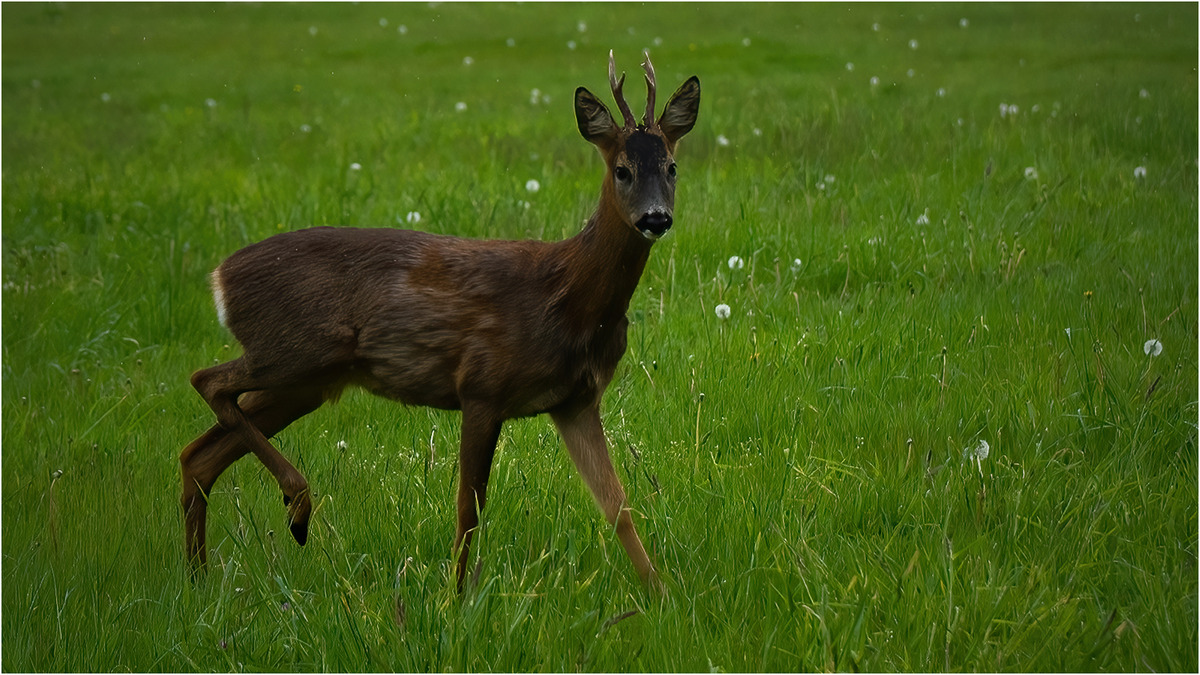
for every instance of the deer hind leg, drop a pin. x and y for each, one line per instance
(209, 455)
(221, 386)
(480, 431)
(583, 435)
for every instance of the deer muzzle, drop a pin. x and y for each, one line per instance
(654, 224)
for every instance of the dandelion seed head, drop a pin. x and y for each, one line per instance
(460, 106)
(210, 102)
(923, 219)
(581, 26)
(341, 445)
(412, 217)
(849, 66)
(1139, 172)
(1030, 173)
(796, 265)
(722, 311)
(402, 29)
(532, 185)
(510, 42)
(963, 23)
(383, 22)
(304, 128)
(756, 131)
(105, 97)
(722, 140)
(875, 27)
(874, 81)
(312, 30)
(1152, 347)
(571, 45)
(912, 44)
(467, 60)
(1143, 94)
(745, 42)
(736, 263)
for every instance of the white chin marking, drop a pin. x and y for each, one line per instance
(218, 296)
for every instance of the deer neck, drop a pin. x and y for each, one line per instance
(606, 261)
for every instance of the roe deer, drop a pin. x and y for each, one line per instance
(496, 329)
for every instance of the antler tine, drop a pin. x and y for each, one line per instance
(650, 89)
(616, 89)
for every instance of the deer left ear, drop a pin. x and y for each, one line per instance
(679, 116)
(595, 122)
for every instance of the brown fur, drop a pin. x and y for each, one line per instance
(496, 329)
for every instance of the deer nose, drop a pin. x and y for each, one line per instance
(654, 224)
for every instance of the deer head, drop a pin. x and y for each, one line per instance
(640, 181)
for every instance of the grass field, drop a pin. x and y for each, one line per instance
(993, 209)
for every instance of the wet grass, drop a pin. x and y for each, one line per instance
(807, 471)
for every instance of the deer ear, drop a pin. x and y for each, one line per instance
(595, 122)
(679, 116)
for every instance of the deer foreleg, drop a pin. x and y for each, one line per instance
(480, 431)
(584, 436)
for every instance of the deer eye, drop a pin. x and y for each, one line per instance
(671, 169)
(622, 174)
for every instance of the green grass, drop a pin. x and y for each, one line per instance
(798, 469)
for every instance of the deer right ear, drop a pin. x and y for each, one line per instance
(595, 122)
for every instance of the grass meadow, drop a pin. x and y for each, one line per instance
(956, 227)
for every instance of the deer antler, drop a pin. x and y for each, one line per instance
(616, 89)
(648, 119)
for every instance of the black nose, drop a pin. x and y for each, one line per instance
(654, 224)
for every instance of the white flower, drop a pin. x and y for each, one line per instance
(963, 23)
(1152, 347)
(923, 219)
(722, 311)
(460, 106)
(413, 217)
(1030, 173)
(736, 263)
(468, 60)
(796, 264)
(342, 445)
(532, 185)
(912, 44)
(721, 140)
(356, 166)
(1139, 172)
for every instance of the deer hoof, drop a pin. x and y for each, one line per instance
(299, 510)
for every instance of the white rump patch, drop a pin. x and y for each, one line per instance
(218, 291)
